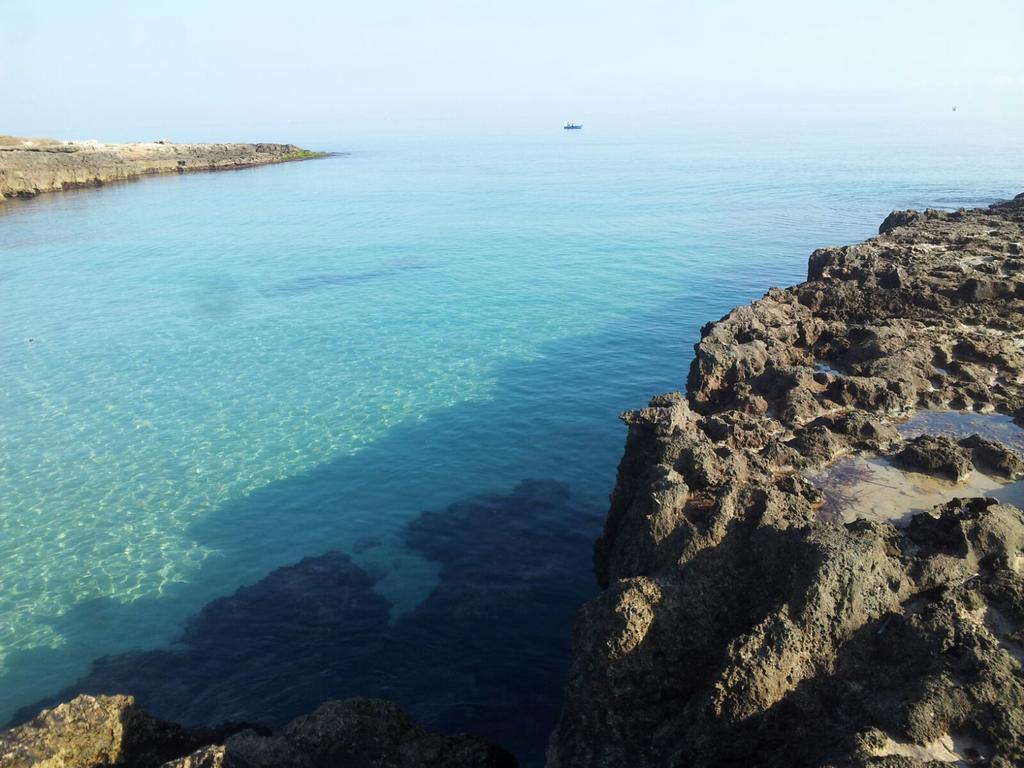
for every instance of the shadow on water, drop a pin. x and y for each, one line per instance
(328, 280)
(487, 650)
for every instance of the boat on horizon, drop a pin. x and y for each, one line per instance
(572, 126)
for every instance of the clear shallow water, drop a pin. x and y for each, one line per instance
(876, 489)
(228, 373)
(961, 424)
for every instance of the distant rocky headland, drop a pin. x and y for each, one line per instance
(31, 166)
(813, 557)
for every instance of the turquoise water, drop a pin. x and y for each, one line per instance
(208, 377)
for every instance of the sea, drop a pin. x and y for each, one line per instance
(348, 427)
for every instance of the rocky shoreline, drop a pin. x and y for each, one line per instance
(810, 559)
(91, 731)
(28, 168)
(746, 622)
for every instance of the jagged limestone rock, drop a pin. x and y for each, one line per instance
(740, 624)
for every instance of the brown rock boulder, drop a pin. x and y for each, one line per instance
(936, 455)
(91, 731)
(102, 731)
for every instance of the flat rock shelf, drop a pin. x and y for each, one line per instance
(29, 167)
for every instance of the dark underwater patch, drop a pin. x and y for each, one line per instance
(327, 280)
(487, 652)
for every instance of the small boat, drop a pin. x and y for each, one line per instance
(572, 126)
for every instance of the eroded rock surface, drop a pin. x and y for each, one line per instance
(739, 624)
(29, 168)
(99, 731)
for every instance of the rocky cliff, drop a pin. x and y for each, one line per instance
(779, 588)
(29, 167)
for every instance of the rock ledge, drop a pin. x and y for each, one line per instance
(28, 168)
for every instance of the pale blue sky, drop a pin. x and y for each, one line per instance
(318, 72)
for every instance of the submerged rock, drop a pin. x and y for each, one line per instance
(486, 652)
(98, 731)
(739, 625)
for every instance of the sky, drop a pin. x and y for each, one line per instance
(318, 72)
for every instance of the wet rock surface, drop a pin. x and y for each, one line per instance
(29, 168)
(739, 624)
(98, 731)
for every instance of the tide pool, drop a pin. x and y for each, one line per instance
(209, 377)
